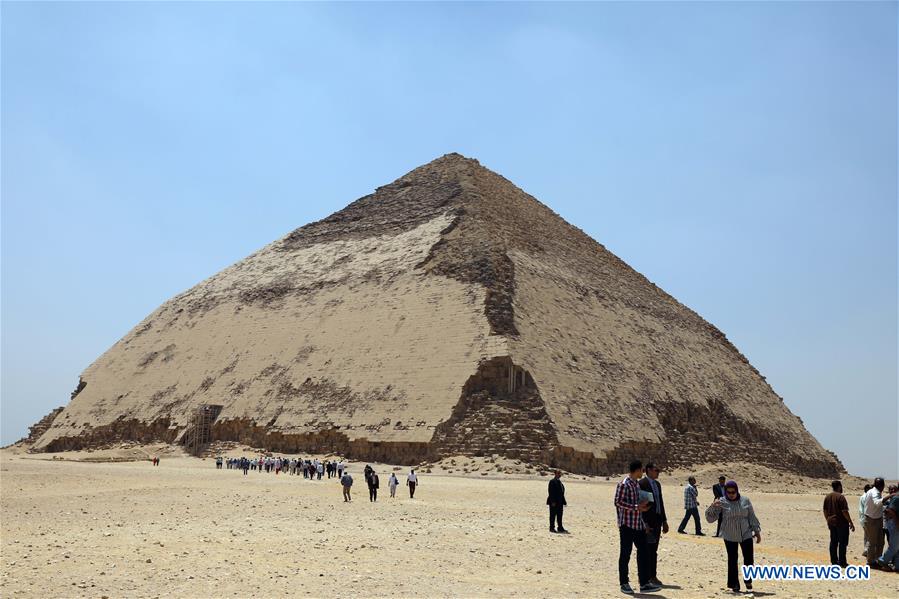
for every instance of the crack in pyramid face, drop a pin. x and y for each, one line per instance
(447, 312)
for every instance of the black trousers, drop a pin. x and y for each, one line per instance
(555, 517)
(628, 538)
(839, 539)
(372, 494)
(411, 490)
(690, 512)
(653, 536)
(733, 572)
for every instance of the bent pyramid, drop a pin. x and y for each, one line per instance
(447, 313)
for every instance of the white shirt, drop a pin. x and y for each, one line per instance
(873, 504)
(412, 478)
(393, 481)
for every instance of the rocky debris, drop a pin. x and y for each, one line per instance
(41, 426)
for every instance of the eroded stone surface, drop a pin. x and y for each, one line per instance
(375, 329)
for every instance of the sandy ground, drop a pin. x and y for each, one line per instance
(185, 529)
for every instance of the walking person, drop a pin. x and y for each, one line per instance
(631, 530)
(346, 481)
(556, 502)
(392, 484)
(738, 526)
(412, 482)
(836, 514)
(691, 507)
(373, 484)
(655, 520)
(718, 493)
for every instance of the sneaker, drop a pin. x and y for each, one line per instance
(681, 532)
(649, 588)
(734, 589)
(552, 530)
(700, 534)
(626, 589)
(655, 580)
(564, 531)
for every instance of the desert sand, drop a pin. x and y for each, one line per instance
(77, 525)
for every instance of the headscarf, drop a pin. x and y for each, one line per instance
(729, 484)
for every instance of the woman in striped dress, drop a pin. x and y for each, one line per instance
(738, 526)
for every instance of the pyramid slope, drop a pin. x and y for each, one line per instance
(448, 311)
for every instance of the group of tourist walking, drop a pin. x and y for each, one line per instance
(315, 469)
(312, 469)
(373, 482)
(642, 520)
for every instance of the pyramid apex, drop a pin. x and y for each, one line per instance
(454, 158)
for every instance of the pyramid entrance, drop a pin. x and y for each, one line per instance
(500, 412)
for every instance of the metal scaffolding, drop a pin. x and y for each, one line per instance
(201, 428)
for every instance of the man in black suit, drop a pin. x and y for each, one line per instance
(655, 520)
(718, 492)
(556, 502)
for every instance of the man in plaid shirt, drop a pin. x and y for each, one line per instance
(631, 530)
(691, 506)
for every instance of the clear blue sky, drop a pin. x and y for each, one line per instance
(741, 156)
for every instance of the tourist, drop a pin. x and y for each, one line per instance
(218, 463)
(319, 469)
(861, 517)
(340, 468)
(392, 484)
(373, 483)
(631, 530)
(718, 493)
(412, 482)
(366, 472)
(886, 531)
(890, 558)
(691, 507)
(655, 520)
(346, 481)
(738, 525)
(836, 514)
(874, 499)
(556, 502)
